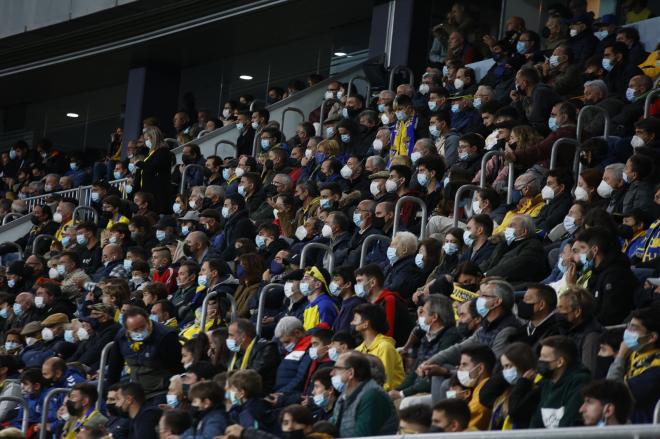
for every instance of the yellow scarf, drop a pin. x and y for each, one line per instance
(640, 362)
(137, 345)
(244, 361)
(80, 423)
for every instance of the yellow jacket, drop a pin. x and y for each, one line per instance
(479, 414)
(531, 207)
(383, 348)
(651, 66)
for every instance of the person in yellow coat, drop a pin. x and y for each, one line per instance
(193, 329)
(370, 322)
(530, 204)
(79, 411)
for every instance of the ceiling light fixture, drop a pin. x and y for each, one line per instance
(340, 54)
(245, 77)
(73, 115)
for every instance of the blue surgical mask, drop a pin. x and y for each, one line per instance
(334, 288)
(360, 291)
(330, 132)
(324, 203)
(305, 289)
(450, 248)
(631, 340)
(226, 173)
(561, 266)
(467, 238)
(276, 267)
(482, 307)
(337, 383)
(66, 241)
(345, 138)
(422, 179)
(320, 157)
(11, 345)
(260, 241)
(240, 126)
(607, 64)
(357, 219)
(402, 116)
(11, 283)
(320, 400)
(18, 311)
(419, 261)
(463, 156)
(421, 322)
(476, 103)
(432, 105)
(391, 255)
(553, 61)
(510, 374)
(225, 212)
(381, 108)
(117, 175)
(601, 34)
(232, 345)
(202, 280)
(521, 47)
(73, 166)
(68, 336)
(552, 123)
(172, 400)
(455, 108)
(509, 235)
(630, 94)
(128, 188)
(265, 144)
(161, 235)
(4, 313)
(153, 318)
(585, 261)
(434, 131)
(138, 335)
(128, 264)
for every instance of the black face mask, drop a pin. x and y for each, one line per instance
(525, 310)
(602, 366)
(295, 434)
(436, 429)
(463, 330)
(187, 250)
(72, 409)
(544, 368)
(545, 32)
(625, 231)
(378, 223)
(35, 220)
(112, 410)
(187, 159)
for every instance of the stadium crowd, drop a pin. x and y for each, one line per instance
(539, 312)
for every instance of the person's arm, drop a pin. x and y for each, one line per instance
(144, 426)
(296, 383)
(371, 413)
(169, 352)
(11, 388)
(502, 340)
(573, 403)
(523, 400)
(452, 355)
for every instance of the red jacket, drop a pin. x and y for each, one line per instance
(167, 277)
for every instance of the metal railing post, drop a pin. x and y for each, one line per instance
(510, 182)
(318, 245)
(83, 209)
(555, 149)
(577, 166)
(182, 187)
(39, 238)
(294, 110)
(648, 100)
(395, 69)
(11, 216)
(205, 306)
(484, 160)
(26, 410)
(173, 143)
(580, 121)
(397, 214)
(367, 96)
(252, 104)
(262, 304)
(365, 246)
(224, 142)
(656, 413)
(44, 414)
(101, 376)
(457, 198)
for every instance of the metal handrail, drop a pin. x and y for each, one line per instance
(26, 410)
(365, 246)
(318, 245)
(656, 413)
(577, 166)
(171, 141)
(11, 216)
(202, 133)
(395, 69)
(647, 101)
(294, 110)
(39, 238)
(262, 304)
(397, 214)
(255, 101)
(44, 414)
(457, 198)
(223, 142)
(555, 149)
(322, 113)
(205, 305)
(83, 209)
(484, 161)
(367, 96)
(19, 249)
(580, 122)
(101, 376)
(182, 187)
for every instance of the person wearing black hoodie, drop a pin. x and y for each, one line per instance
(533, 99)
(612, 281)
(558, 198)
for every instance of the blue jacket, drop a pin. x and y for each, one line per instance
(42, 351)
(403, 277)
(292, 371)
(35, 403)
(255, 413)
(343, 320)
(212, 424)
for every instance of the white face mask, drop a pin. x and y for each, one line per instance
(458, 84)
(378, 145)
(390, 186)
(547, 193)
(374, 188)
(326, 231)
(604, 189)
(301, 233)
(637, 142)
(581, 194)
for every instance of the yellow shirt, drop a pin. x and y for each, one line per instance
(62, 229)
(479, 414)
(192, 330)
(531, 207)
(383, 348)
(122, 219)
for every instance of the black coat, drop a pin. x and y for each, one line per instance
(618, 78)
(89, 351)
(155, 174)
(245, 141)
(554, 212)
(264, 359)
(522, 261)
(237, 226)
(612, 284)
(583, 45)
(403, 277)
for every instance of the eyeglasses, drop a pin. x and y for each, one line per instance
(488, 296)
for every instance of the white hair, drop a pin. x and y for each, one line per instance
(287, 326)
(407, 242)
(616, 169)
(598, 84)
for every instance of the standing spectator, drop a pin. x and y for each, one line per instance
(155, 174)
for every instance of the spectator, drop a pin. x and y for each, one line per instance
(80, 407)
(209, 418)
(451, 415)
(415, 419)
(606, 403)
(248, 409)
(559, 363)
(155, 170)
(321, 309)
(370, 322)
(143, 418)
(533, 99)
(248, 352)
(363, 409)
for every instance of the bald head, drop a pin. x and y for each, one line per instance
(111, 253)
(197, 242)
(405, 89)
(25, 300)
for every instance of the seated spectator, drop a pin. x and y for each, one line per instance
(370, 322)
(361, 395)
(558, 200)
(143, 418)
(606, 402)
(474, 370)
(343, 286)
(80, 407)
(450, 416)
(248, 409)
(415, 419)
(559, 364)
(402, 274)
(636, 363)
(519, 248)
(320, 309)
(210, 420)
(249, 352)
(292, 370)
